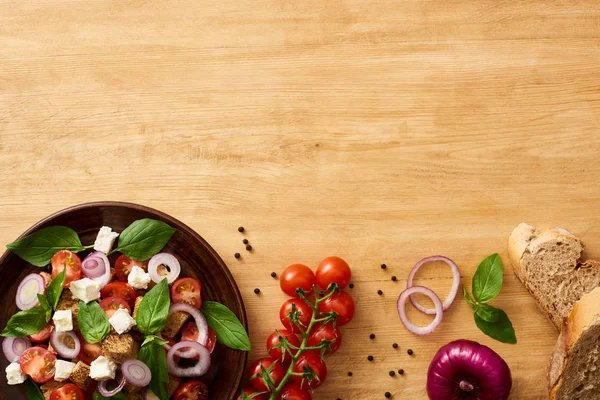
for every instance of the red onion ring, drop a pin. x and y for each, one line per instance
(199, 369)
(453, 291)
(96, 267)
(13, 348)
(56, 340)
(29, 288)
(136, 372)
(110, 393)
(168, 260)
(439, 311)
(200, 323)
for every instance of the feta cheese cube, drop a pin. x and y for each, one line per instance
(14, 375)
(63, 370)
(138, 278)
(105, 239)
(121, 321)
(102, 368)
(63, 320)
(85, 289)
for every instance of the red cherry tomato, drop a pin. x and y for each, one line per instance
(119, 289)
(315, 364)
(304, 310)
(325, 332)
(89, 352)
(38, 363)
(296, 276)
(187, 290)
(190, 332)
(333, 269)
(42, 335)
(67, 392)
(291, 391)
(249, 391)
(123, 267)
(66, 258)
(191, 390)
(112, 304)
(277, 373)
(276, 353)
(342, 304)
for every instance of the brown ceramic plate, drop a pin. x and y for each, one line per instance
(197, 259)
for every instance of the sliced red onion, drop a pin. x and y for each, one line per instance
(57, 342)
(96, 267)
(136, 372)
(455, 283)
(13, 348)
(200, 323)
(199, 369)
(168, 260)
(110, 393)
(439, 311)
(29, 288)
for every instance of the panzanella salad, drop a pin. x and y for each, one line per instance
(133, 330)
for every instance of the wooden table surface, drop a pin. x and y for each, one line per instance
(379, 131)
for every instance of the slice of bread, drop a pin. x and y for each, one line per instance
(548, 264)
(574, 371)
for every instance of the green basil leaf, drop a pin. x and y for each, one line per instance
(93, 322)
(45, 305)
(227, 327)
(39, 247)
(501, 330)
(33, 390)
(154, 309)
(488, 313)
(144, 238)
(152, 353)
(118, 396)
(488, 278)
(468, 298)
(25, 323)
(55, 288)
(152, 338)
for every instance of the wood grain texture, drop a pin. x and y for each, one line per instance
(378, 131)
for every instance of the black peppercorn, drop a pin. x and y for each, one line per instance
(241, 229)
(257, 290)
(248, 247)
(370, 358)
(349, 373)
(401, 371)
(372, 336)
(351, 286)
(388, 394)
(394, 278)
(245, 241)
(380, 292)
(410, 352)
(273, 275)
(392, 373)
(237, 255)
(395, 345)
(383, 266)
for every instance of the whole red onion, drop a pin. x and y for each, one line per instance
(466, 370)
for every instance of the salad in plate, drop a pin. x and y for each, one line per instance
(133, 330)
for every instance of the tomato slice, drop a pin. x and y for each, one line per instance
(190, 332)
(119, 289)
(70, 260)
(112, 304)
(68, 392)
(89, 352)
(191, 390)
(124, 264)
(42, 335)
(187, 290)
(38, 363)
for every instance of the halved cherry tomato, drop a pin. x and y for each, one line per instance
(341, 303)
(314, 363)
(89, 352)
(325, 332)
(291, 391)
(68, 392)
(276, 353)
(249, 391)
(119, 289)
(304, 310)
(277, 373)
(333, 269)
(187, 290)
(190, 332)
(66, 258)
(296, 276)
(124, 264)
(42, 335)
(38, 363)
(112, 304)
(191, 390)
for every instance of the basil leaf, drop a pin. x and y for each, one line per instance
(468, 298)
(152, 338)
(45, 305)
(39, 247)
(25, 323)
(501, 330)
(55, 288)
(488, 313)
(93, 322)
(153, 355)
(154, 309)
(118, 396)
(226, 325)
(33, 390)
(144, 238)
(487, 280)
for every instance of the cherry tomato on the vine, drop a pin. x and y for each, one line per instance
(296, 276)
(305, 314)
(313, 362)
(342, 303)
(333, 269)
(276, 353)
(250, 391)
(325, 332)
(277, 373)
(291, 391)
